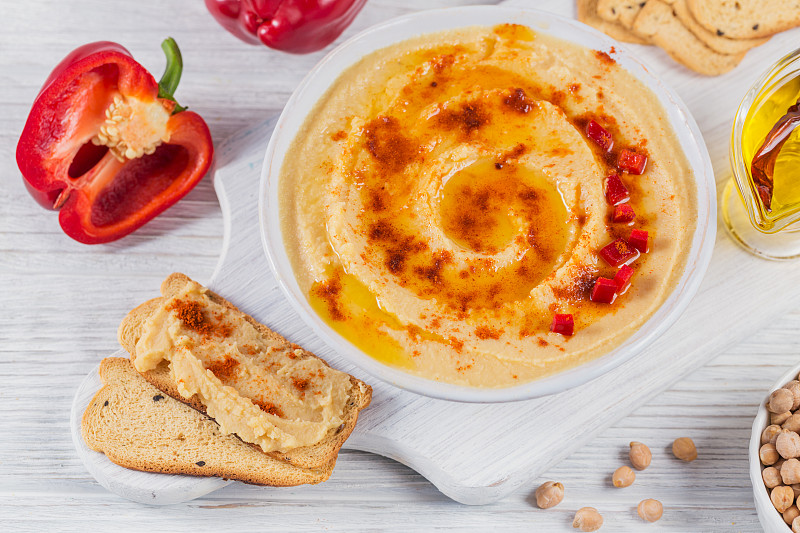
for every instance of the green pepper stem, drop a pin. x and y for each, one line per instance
(172, 74)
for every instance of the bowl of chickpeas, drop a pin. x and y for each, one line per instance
(775, 456)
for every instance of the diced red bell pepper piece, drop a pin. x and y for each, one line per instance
(623, 278)
(631, 162)
(600, 135)
(623, 213)
(618, 252)
(604, 291)
(563, 324)
(638, 240)
(616, 192)
(296, 26)
(108, 146)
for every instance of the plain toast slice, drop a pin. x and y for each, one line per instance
(315, 456)
(138, 427)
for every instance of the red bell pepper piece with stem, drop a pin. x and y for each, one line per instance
(296, 26)
(108, 146)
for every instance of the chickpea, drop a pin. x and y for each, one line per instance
(623, 477)
(640, 455)
(788, 444)
(795, 489)
(790, 472)
(796, 525)
(768, 454)
(587, 519)
(780, 401)
(794, 388)
(792, 423)
(549, 494)
(790, 514)
(782, 497)
(770, 433)
(650, 510)
(779, 418)
(685, 450)
(772, 477)
(779, 463)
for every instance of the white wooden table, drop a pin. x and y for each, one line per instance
(61, 304)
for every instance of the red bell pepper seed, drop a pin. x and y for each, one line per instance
(618, 252)
(600, 135)
(563, 324)
(631, 162)
(616, 192)
(624, 213)
(638, 240)
(604, 291)
(623, 278)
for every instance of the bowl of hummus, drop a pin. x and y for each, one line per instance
(486, 204)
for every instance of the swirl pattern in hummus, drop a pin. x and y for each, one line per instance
(441, 203)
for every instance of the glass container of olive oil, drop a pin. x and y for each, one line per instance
(763, 217)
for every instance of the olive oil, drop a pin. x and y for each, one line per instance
(786, 176)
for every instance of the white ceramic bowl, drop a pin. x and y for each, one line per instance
(770, 518)
(328, 70)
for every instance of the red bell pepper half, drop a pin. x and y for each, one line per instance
(296, 26)
(108, 146)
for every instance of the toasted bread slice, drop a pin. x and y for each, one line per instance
(138, 427)
(315, 456)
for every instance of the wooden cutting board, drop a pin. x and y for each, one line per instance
(478, 453)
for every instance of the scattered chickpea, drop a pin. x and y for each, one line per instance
(796, 525)
(768, 454)
(770, 433)
(772, 477)
(794, 387)
(640, 455)
(788, 444)
(779, 463)
(685, 450)
(790, 472)
(623, 477)
(549, 494)
(779, 418)
(790, 514)
(796, 489)
(588, 519)
(782, 497)
(650, 510)
(780, 401)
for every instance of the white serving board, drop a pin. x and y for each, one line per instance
(476, 453)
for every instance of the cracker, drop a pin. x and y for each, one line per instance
(587, 13)
(721, 44)
(620, 11)
(657, 22)
(745, 19)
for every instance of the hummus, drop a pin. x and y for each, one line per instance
(442, 203)
(264, 390)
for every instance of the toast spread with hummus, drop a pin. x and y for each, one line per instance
(138, 427)
(283, 401)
